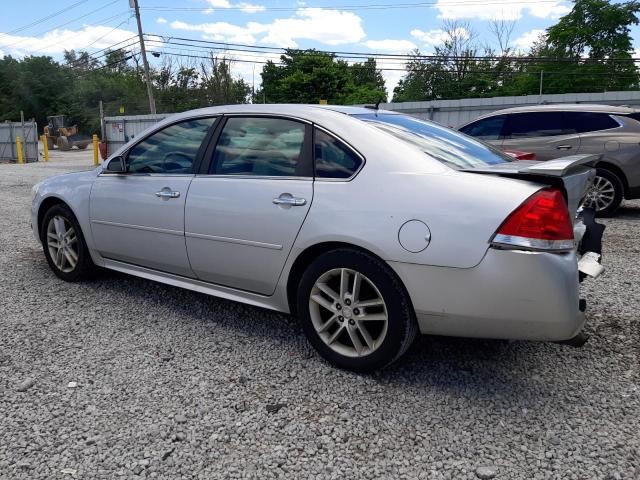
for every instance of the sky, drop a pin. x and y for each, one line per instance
(38, 27)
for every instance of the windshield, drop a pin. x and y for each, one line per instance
(444, 144)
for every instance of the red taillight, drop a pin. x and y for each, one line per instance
(542, 222)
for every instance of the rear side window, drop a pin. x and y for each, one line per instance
(333, 159)
(583, 122)
(260, 146)
(535, 124)
(171, 150)
(486, 129)
(444, 144)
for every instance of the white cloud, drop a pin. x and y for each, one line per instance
(392, 46)
(527, 39)
(331, 27)
(161, 20)
(437, 36)
(501, 9)
(57, 41)
(243, 6)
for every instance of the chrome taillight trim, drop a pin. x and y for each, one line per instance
(536, 244)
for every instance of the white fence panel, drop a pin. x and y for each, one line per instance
(9, 131)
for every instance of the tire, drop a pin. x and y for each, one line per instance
(606, 194)
(63, 266)
(63, 144)
(385, 340)
(82, 146)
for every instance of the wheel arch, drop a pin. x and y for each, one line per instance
(45, 205)
(308, 255)
(617, 171)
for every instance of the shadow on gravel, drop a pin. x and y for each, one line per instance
(628, 212)
(483, 369)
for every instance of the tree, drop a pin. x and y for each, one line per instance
(308, 76)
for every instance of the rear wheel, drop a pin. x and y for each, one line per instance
(64, 245)
(354, 310)
(605, 195)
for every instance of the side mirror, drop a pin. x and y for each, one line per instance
(116, 165)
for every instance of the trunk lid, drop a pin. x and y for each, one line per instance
(573, 174)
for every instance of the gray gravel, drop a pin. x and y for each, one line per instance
(125, 378)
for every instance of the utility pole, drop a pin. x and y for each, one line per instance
(143, 51)
(541, 77)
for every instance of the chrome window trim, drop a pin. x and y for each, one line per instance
(269, 115)
(348, 145)
(251, 177)
(163, 175)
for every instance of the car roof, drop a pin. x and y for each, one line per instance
(306, 111)
(567, 107)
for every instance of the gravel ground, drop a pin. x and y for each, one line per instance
(122, 378)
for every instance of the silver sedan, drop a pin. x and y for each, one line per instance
(368, 225)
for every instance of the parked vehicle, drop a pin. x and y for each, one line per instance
(370, 226)
(553, 131)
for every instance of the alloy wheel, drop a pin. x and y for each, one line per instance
(62, 242)
(348, 312)
(600, 195)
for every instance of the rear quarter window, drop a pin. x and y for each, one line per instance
(583, 122)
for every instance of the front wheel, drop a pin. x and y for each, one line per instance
(605, 195)
(64, 245)
(354, 311)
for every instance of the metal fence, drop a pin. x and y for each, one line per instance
(119, 130)
(9, 131)
(457, 112)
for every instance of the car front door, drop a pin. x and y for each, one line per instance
(543, 133)
(489, 129)
(137, 216)
(246, 207)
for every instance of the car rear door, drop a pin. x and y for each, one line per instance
(137, 217)
(544, 133)
(246, 206)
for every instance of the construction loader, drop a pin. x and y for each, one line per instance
(63, 137)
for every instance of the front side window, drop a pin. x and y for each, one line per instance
(535, 124)
(486, 129)
(333, 159)
(444, 144)
(171, 150)
(260, 146)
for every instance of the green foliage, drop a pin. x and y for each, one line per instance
(589, 50)
(41, 87)
(308, 76)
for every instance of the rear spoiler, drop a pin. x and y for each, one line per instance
(561, 166)
(573, 173)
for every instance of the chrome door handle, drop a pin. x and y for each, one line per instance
(564, 147)
(290, 200)
(167, 194)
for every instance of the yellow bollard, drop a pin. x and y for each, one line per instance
(19, 148)
(45, 147)
(95, 150)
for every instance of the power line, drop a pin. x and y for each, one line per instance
(65, 24)
(44, 19)
(108, 52)
(386, 6)
(243, 47)
(66, 40)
